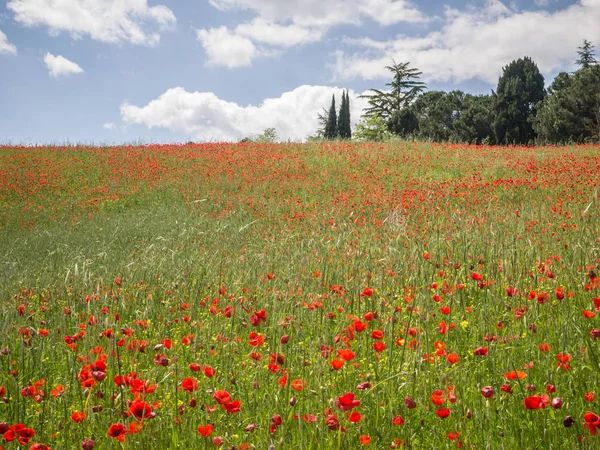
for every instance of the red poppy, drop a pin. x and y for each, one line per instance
(232, 407)
(209, 371)
(78, 416)
(544, 348)
(141, 410)
(487, 392)
(592, 422)
(379, 346)
(367, 292)
(452, 358)
(515, 374)
(477, 276)
(438, 398)
(589, 396)
(364, 439)
(298, 385)
(347, 402)
(189, 384)
(205, 430)
(354, 417)
(480, 351)
(117, 431)
(536, 402)
(222, 397)
(398, 420)
(563, 360)
(442, 413)
(337, 364)
(195, 367)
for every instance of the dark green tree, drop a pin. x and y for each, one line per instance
(520, 89)
(474, 124)
(331, 127)
(437, 111)
(571, 113)
(586, 55)
(344, 117)
(390, 105)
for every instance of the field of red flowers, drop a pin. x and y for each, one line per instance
(339, 295)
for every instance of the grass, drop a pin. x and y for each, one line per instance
(127, 251)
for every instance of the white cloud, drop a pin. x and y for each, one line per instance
(284, 24)
(202, 115)
(279, 35)
(110, 21)
(109, 126)
(477, 43)
(5, 46)
(311, 13)
(59, 65)
(225, 48)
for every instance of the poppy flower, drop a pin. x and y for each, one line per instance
(487, 392)
(117, 431)
(195, 367)
(442, 413)
(222, 397)
(209, 371)
(379, 346)
(536, 402)
(592, 422)
(189, 384)
(141, 410)
(354, 417)
(515, 374)
(544, 348)
(438, 398)
(39, 447)
(78, 416)
(563, 360)
(476, 276)
(480, 351)
(232, 407)
(589, 396)
(452, 358)
(347, 402)
(205, 430)
(398, 420)
(367, 292)
(337, 363)
(298, 385)
(365, 440)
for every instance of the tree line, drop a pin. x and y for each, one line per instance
(520, 111)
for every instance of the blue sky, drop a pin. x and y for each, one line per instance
(109, 71)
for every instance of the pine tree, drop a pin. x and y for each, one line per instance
(586, 55)
(331, 128)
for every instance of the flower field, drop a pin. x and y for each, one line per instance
(287, 296)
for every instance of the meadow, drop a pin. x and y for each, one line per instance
(286, 296)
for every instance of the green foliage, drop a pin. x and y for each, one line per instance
(331, 127)
(572, 112)
(586, 55)
(404, 89)
(454, 117)
(520, 89)
(268, 136)
(372, 128)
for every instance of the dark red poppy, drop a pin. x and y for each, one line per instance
(117, 431)
(141, 410)
(480, 351)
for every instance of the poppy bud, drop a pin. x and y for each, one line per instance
(293, 400)
(284, 339)
(99, 394)
(487, 392)
(568, 422)
(3, 427)
(193, 403)
(88, 444)
(410, 403)
(469, 414)
(557, 403)
(99, 375)
(97, 409)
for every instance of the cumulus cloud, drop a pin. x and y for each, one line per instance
(225, 48)
(112, 21)
(283, 24)
(5, 46)
(204, 116)
(59, 65)
(477, 43)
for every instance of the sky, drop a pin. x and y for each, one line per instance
(126, 71)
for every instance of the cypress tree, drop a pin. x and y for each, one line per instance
(348, 128)
(331, 127)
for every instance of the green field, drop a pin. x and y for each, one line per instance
(155, 287)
